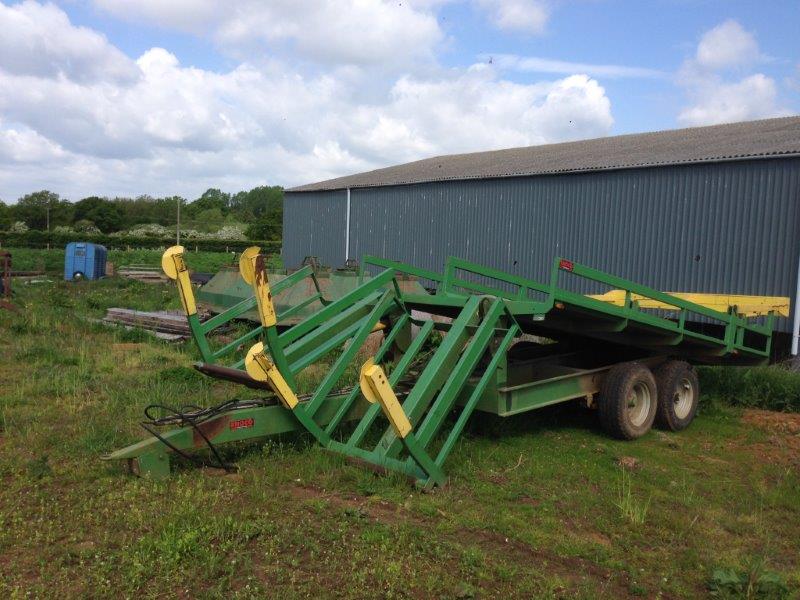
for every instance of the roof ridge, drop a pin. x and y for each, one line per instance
(764, 138)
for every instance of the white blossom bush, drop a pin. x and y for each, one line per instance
(234, 232)
(230, 232)
(149, 230)
(19, 227)
(86, 227)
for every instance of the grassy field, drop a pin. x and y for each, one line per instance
(542, 505)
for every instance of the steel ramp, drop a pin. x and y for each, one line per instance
(406, 444)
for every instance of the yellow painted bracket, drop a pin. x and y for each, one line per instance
(375, 387)
(261, 368)
(175, 268)
(251, 267)
(746, 306)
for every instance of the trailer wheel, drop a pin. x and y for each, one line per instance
(678, 395)
(628, 399)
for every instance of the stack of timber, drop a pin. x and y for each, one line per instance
(170, 325)
(148, 274)
(142, 273)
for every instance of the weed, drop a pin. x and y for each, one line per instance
(631, 508)
(60, 298)
(755, 581)
(39, 468)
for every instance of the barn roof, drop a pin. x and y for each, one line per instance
(715, 143)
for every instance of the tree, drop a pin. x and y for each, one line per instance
(106, 215)
(210, 219)
(211, 199)
(5, 216)
(258, 201)
(33, 209)
(266, 227)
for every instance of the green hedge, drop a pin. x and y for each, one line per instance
(772, 388)
(41, 239)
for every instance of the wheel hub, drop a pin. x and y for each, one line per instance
(683, 398)
(639, 404)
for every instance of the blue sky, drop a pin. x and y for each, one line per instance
(117, 97)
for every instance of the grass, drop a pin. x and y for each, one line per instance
(631, 508)
(532, 510)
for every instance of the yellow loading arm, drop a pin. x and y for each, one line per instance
(251, 267)
(375, 387)
(746, 306)
(261, 368)
(175, 268)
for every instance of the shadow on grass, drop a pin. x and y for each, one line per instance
(566, 416)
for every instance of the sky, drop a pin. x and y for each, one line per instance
(131, 97)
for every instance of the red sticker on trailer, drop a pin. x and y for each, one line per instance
(242, 424)
(565, 264)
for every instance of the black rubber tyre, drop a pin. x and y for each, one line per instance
(628, 399)
(678, 395)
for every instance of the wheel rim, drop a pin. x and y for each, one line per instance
(683, 398)
(639, 402)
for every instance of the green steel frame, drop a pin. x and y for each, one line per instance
(468, 370)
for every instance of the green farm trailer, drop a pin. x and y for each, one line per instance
(467, 341)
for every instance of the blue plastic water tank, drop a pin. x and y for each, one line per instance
(84, 261)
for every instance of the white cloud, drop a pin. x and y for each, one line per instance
(176, 129)
(727, 45)
(24, 145)
(753, 97)
(527, 16)
(475, 110)
(714, 95)
(533, 64)
(360, 32)
(27, 47)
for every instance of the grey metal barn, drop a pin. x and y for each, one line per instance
(708, 209)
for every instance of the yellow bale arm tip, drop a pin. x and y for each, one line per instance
(261, 368)
(168, 261)
(253, 366)
(247, 264)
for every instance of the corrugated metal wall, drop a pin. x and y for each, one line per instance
(729, 227)
(314, 225)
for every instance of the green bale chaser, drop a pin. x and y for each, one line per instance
(472, 339)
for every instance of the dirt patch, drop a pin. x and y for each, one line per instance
(535, 502)
(774, 422)
(783, 445)
(599, 538)
(629, 462)
(495, 478)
